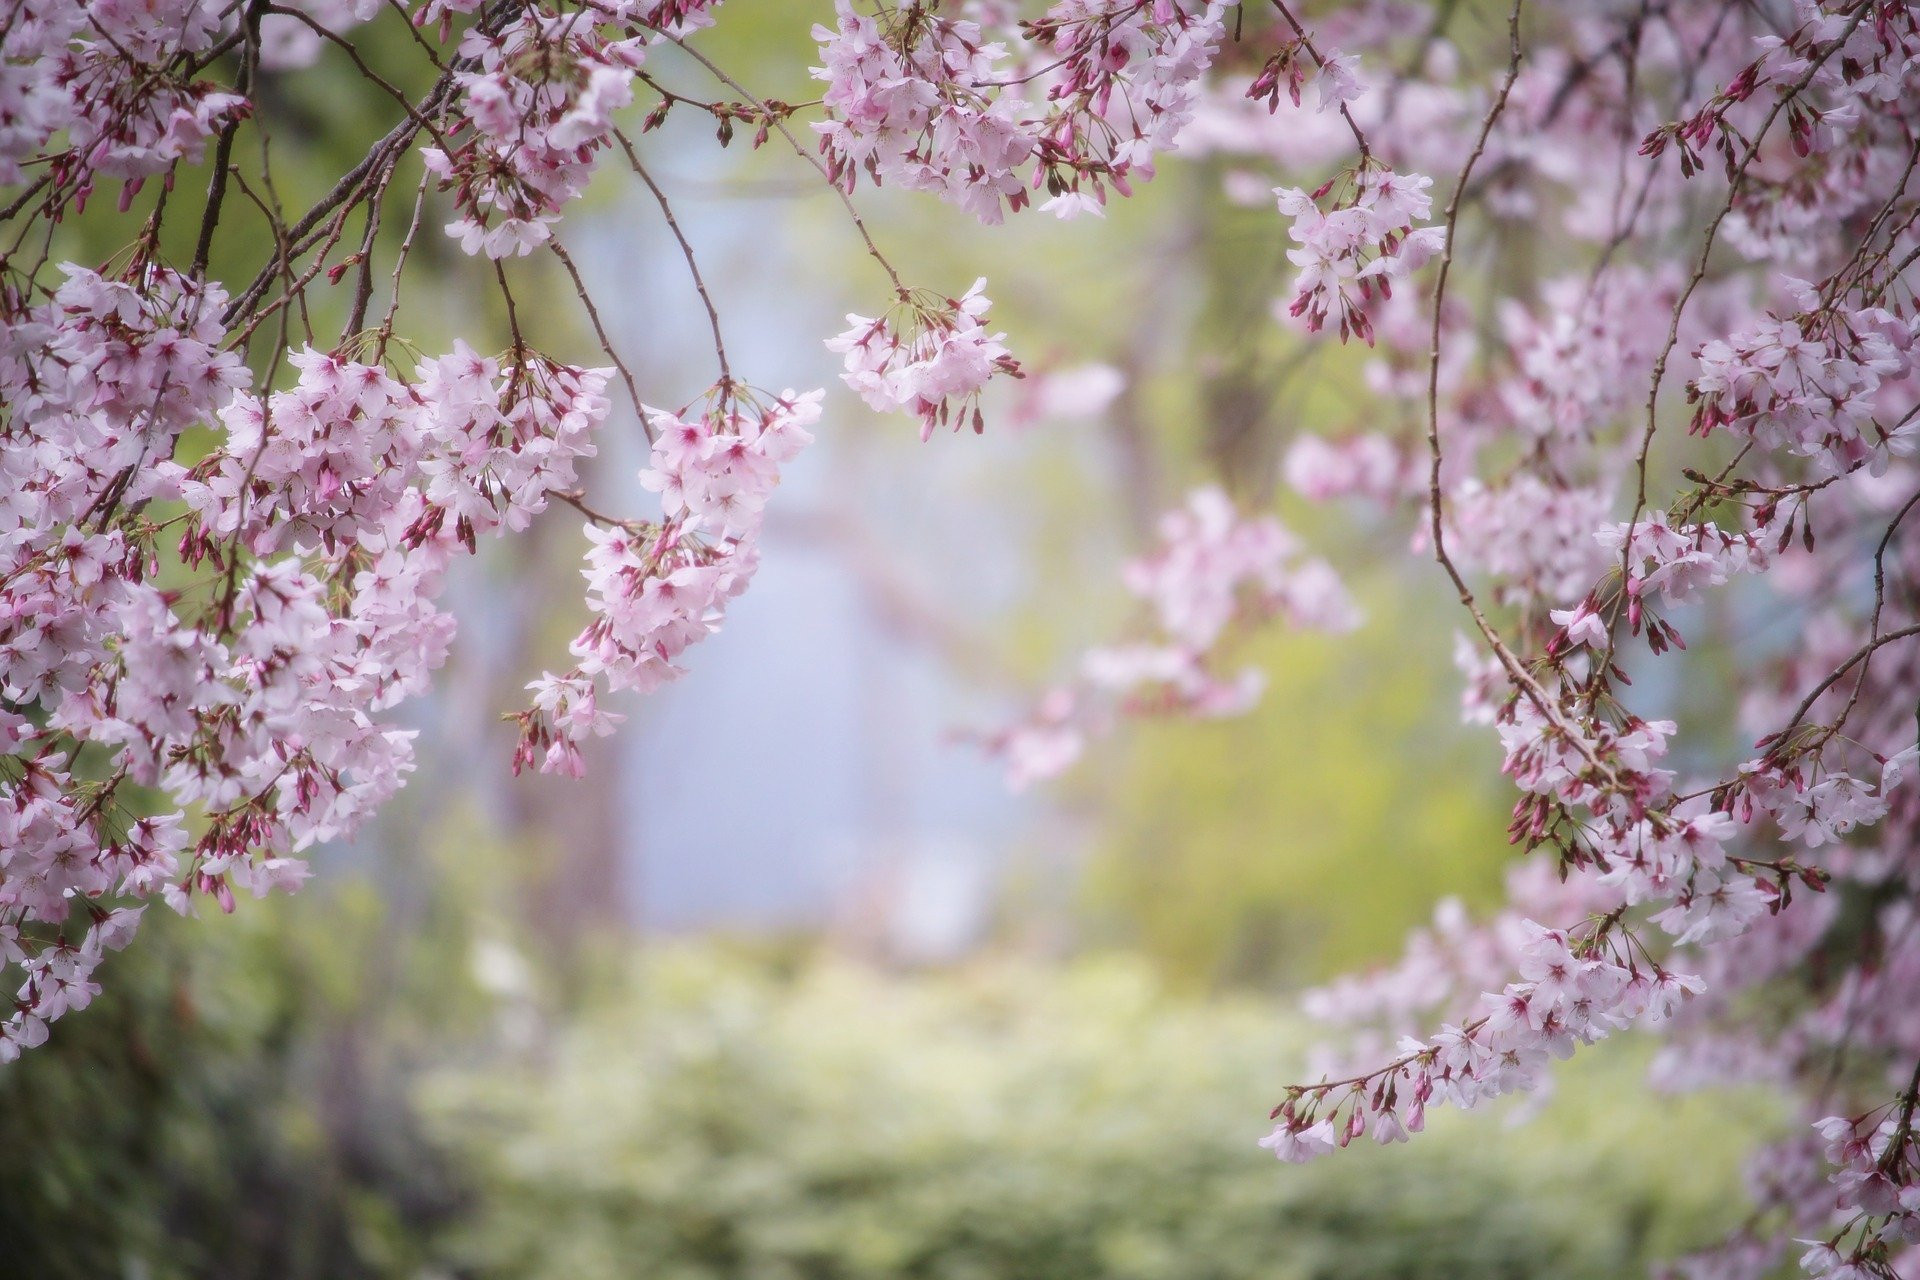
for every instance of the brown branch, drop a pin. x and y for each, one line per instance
(1435, 499)
(686, 251)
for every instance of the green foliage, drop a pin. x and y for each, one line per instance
(248, 1104)
(230, 1107)
(707, 1120)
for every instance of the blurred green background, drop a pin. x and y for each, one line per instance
(523, 1031)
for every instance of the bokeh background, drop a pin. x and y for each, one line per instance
(791, 987)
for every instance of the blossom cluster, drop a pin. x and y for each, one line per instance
(906, 108)
(933, 104)
(1571, 991)
(1673, 564)
(244, 691)
(533, 119)
(931, 357)
(657, 588)
(1214, 577)
(1124, 79)
(1529, 534)
(1876, 1170)
(1296, 65)
(1352, 251)
(1820, 387)
(107, 79)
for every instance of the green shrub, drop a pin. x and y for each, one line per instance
(231, 1107)
(708, 1120)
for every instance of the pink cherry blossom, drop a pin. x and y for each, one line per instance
(931, 358)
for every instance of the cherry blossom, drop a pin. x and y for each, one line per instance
(655, 589)
(931, 103)
(535, 116)
(1215, 576)
(1639, 297)
(908, 107)
(932, 357)
(1817, 397)
(1351, 252)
